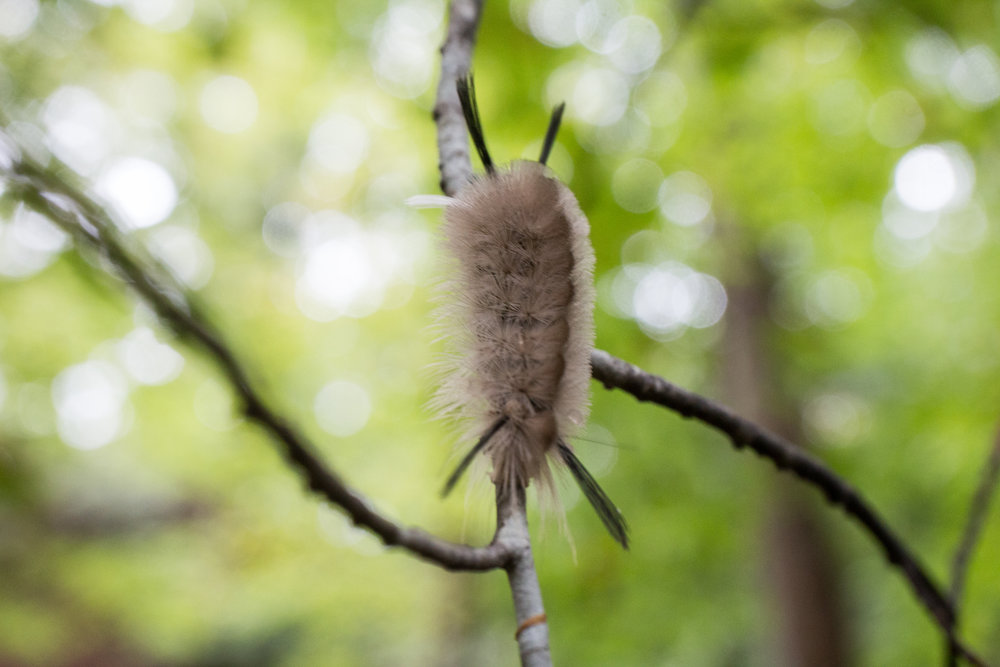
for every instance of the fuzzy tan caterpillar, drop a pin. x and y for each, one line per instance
(521, 321)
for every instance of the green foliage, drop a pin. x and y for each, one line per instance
(176, 535)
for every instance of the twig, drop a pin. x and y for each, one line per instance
(456, 61)
(974, 524)
(615, 373)
(532, 633)
(978, 511)
(453, 153)
(92, 226)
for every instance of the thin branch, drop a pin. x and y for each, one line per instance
(456, 61)
(974, 524)
(91, 226)
(978, 511)
(532, 633)
(453, 154)
(615, 373)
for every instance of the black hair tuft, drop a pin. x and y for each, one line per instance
(550, 135)
(467, 96)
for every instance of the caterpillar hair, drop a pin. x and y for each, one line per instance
(467, 96)
(520, 319)
(550, 134)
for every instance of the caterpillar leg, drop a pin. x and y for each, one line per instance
(610, 515)
(457, 474)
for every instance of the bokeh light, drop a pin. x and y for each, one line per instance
(594, 22)
(666, 298)
(599, 97)
(9, 153)
(928, 205)
(164, 15)
(90, 401)
(685, 198)
(346, 269)
(182, 250)
(974, 77)
(836, 418)
(338, 142)
(905, 222)
(892, 250)
(636, 185)
(80, 128)
(553, 22)
(404, 46)
(28, 243)
(930, 55)
(228, 104)
(147, 360)
(829, 40)
(140, 190)
(17, 17)
(962, 230)
(282, 227)
(932, 177)
(629, 134)
(342, 408)
(637, 44)
(837, 297)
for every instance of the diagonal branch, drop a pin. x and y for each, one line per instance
(974, 524)
(615, 373)
(91, 226)
(978, 511)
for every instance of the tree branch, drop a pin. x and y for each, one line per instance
(974, 524)
(455, 172)
(456, 61)
(615, 373)
(91, 226)
(978, 511)
(453, 160)
(532, 633)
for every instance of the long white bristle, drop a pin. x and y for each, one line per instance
(430, 201)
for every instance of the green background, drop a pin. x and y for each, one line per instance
(180, 537)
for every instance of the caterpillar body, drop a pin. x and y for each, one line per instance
(521, 319)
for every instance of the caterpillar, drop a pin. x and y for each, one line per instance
(520, 319)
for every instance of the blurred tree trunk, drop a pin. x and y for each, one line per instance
(801, 572)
